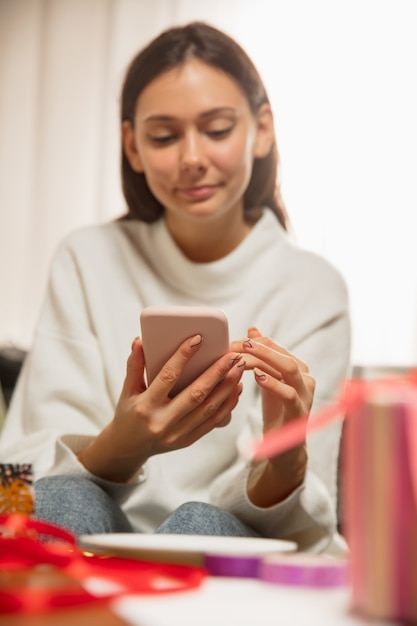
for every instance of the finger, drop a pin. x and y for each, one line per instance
(191, 430)
(250, 357)
(285, 370)
(134, 382)
(287, 393)
(296, 404)
(228, 406)
(230, 366)
(288, 367)
(169, 374)
(236, 346)
(267, 341)
(194, 424)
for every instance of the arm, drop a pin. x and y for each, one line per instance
(287, 392)
(308, 514)
(148, 422)
(66, 417)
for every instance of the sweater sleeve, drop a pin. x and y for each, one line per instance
(62, 398)
(308, 516)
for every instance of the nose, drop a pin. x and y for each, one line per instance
(193, 156)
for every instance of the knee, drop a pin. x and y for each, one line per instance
(201, 518)
(196, 509)
(66, 489)
(195, 513)
(66, 494)
(60, 499)
(78, 504)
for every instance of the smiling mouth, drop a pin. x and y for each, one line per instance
(202, 192)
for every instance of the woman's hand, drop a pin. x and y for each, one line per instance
(148, 422)
(287, 393)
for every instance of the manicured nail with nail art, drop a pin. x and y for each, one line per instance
(249, 343)
(235, 359)
(195, 341)
(259, 374)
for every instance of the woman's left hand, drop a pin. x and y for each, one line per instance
(287, 393)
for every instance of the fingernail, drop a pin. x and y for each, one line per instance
(133, 342)
(259, 373)
(249, 343)
(235, 359)
(195, 341)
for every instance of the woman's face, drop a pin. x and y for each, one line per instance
(195, 139)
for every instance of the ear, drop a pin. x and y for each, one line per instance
(129, 147)
(265, 132)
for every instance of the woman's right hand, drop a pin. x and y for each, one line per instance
(149, 422)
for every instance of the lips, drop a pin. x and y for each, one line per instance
(201, 192)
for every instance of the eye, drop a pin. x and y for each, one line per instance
(162, 140)
(219, 133)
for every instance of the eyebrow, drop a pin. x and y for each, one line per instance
(204, 115)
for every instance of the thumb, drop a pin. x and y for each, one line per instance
(134, 382)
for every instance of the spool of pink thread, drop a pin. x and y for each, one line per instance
(381, 502)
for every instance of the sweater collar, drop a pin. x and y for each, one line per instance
(223, 277)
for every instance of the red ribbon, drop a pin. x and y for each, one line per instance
(354, 393)
(64, 568)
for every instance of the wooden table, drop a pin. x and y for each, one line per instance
(87, 615)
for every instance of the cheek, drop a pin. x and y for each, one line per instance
(238, 151)
(236, 156)
(160, 165)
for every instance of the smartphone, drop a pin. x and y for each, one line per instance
(164, 328)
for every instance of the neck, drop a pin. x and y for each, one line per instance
(206, 241)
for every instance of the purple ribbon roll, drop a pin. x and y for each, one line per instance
(304, 570)
(234, 566)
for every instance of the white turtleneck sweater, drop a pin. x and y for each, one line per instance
(101, 278)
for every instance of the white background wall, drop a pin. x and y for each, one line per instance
(342, 79)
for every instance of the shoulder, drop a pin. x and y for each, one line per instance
(93, 235)
(316, 286)
(300, 267)
(94, 251)
(315, 268)
(99, 242)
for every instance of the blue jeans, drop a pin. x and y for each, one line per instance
(84, 508)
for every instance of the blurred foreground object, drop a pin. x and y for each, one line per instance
(16, 492)
(380, 498)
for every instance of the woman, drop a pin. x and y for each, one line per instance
(205, 226)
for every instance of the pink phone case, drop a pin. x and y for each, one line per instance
(165, 328)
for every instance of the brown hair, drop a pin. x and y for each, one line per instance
(168, 50)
